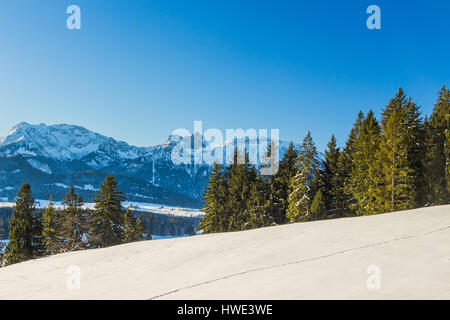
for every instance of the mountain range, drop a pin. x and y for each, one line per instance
(53, 158)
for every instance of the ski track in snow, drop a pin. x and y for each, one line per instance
(314, 260)
(299, 262)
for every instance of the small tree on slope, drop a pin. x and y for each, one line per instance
(215, 219)
(304, 183)
(20, 246)
(133, 228)
(106, 225)
(73, 222)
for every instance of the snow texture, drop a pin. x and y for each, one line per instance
(314, 260)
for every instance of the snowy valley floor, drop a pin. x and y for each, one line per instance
(315, 260)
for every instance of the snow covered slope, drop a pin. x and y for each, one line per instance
(316, 260)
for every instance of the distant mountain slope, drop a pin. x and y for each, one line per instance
(327, 259)
(52, 158)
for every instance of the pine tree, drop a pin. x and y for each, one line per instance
(346, 168)
(300, 197)
(416, 148)
(437, 160)
(133, 229)
(259, 205)
(280, 185)
(106, 225)
(367, 187)
(395, 104)
(50, 229)
(447, 150)
(20, 246)
(143, 231)
(37, 237)
(304, 183)
(331, 184)
(73, 222)
(215, 219)
(308, 154)
(398, 190)
(399, 181)
(239, 178)
(318, 209)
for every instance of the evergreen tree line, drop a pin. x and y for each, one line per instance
(36, 233)
(400, 162)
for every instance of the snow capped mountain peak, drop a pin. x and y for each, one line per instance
(50, 156)
(14, 134)
(61, 142)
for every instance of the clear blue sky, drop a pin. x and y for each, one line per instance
(139, 69)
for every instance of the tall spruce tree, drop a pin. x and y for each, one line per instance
(214, 197)
(395, 104)
(368, 185)
(398, 185)
(20, 246)
(259, 204)
(50, 229)
(280, 185)
(330, 182)
(37, 237)
(133, 228)
(73, 223)
(346, 168)
(106, 225)
(398, 176)
(304, 183)
(416, 148)
(299, 208)
(318, 206)
(438, 159)
(239, 176)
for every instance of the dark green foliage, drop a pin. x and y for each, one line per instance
(367, 186)
(106, 224)
(240, 176)
(346, 168)
(37, 238)
(304, 183)
(73, 223)
(236, 199)
(318, 206)
(398, 192)
(50, 229)
(438, 144)
(20, 246)
(133, 228)
(416, 148)
(299, 208)
(280, 185)
(331, 182)
(5, 219)
(259, 205)
(216, 218)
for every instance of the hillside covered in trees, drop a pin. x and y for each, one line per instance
(33, 233)
(156, 224)
(401, 161)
